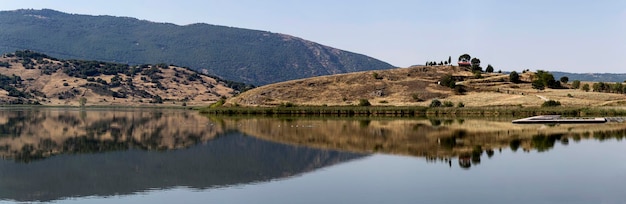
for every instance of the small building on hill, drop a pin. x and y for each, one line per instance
(464, 63)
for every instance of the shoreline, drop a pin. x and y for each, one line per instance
(413, 111)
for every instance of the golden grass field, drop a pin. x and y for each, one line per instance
(417, 86)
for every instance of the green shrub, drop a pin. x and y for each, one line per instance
(585, 87)
(435, 103)
(460, 105)
(448, 104)
(416, 97)
(364, 102)
(478, 75)
(459, 90)
(287, 104)
(576, 84)
(551, 103)
(383, 101)
(376, 76)
(447, 81)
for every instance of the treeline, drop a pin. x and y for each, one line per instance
(434, 63)
(603, 87)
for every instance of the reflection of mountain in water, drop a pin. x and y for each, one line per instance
(227, 160)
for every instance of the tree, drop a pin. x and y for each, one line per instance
(489, 68)
(514, 77)
(538, 84)
(465, 58)
(564, 79)
(546, 79)
(476, 65)
(576, 84)
(449, 59)
(82, 101)
(586, 88)
(475, 62)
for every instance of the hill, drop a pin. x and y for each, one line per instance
(418, 86)
(595, 77)
(250, 56)
(28, 77)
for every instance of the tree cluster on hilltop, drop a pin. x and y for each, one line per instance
(440, 63)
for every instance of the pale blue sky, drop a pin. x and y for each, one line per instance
(563, 35)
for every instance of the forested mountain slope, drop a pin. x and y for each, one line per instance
(243, 55)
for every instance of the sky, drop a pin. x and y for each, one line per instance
(554, 35)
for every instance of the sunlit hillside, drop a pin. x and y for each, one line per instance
(419, 86)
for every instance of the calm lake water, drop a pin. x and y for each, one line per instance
(179, 156)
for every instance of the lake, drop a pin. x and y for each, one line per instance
(179, 156)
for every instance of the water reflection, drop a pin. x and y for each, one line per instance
(56, 154)
(468, 140)
(52, 154)
(32, 134)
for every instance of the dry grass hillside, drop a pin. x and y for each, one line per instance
(35, 78)
(418, 86)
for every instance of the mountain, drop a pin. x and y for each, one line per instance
(243, 55)
(595, 77)
(28, 77)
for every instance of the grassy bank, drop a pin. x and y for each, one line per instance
(350, 111)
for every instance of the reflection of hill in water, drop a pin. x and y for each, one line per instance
(34, 134)
(426, 138)
(227, 160)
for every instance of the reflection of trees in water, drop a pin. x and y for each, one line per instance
(540, 142)
(18, 121)
(460, 139)
(438, 140)
(515, 144)
(544, 143)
